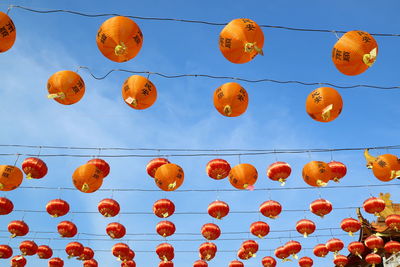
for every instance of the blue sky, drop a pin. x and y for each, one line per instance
(184, 116)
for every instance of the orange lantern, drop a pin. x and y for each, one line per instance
(102, 165)
(338, 169)
(321, 207)
(163, 208)
(57, 208)
(169, 177)
(324, 104)
(317, 173)
(28, 248)
(165, 228)
(139, 92)
(270, 209)
(279, 171)
(243, 175)
(218, 209)
(66, 87)
(18, 228)
(5, 252)
(108, 207)
(350, 225)
(87, 178)
(385, 167)
(210, 231)
(305, 227)
(8, 32)
(231, 99)
(34, 168)
(154, 164)
(218, 169)
(115, 230)
(67, 229)
(259, 229)
(44, 252)
(6, 206)
(10, 177)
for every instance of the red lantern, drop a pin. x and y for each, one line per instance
(90, 263)
(67, 229)
(165, 252)
(6, 206)
(44, 252)
(393, 222)
(341, 261)
(374, 243)
(293, 248)
(86, 255)
(259, 229)
(207, 251)
(373, 259)
(102, 165)
(200, 263)
(18, 261)
(34, 168)
(338, 169)
(320, 250)
(236, 264)
(115, 230)
(28, 248)
(128, 264)
(356, 248)
(166, 264)
(108, 207)
(306, 262)
(321, 207)
(279, 171)
(270, 209)
(57, 207)
(242, 254)
(250, 247)
(218, 209)
(218, 169)
(268, 262)
(374, 205)
(305, 227)
(165, 228)
(5, 251)
(154, 164)
(391, 247)
(18, 228)
(350, 225)
(128, 257)
(282, 253)
(120, 250)
(210, 231)
(74, 249)
(56, 262)
(335, 245)
(163, 208)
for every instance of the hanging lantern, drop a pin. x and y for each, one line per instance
(393, 222)
(130, 256)
(356, 248)
(236, 264)
(374, 243)
(391, 247)
(6, 206)
(120, 250)
(115, 230)
(324, 104)
(350, 225)
(5, 251)
(44, 252)
(354, 52)
(268, 262)
(243, 175)
(279, 171)
(87, 178)
(18, 261)
(200, 263)
(102, 165)
(139, 92)
(57, 208)
(207, 251)
(18, 228)
(321, 207)
(306, 262)
(340, 261)
(128, 264)
(373, 259)
(385, 167)
(66, 87)
(320, 250)
(166, 264)
(74, 249)
(163, 208)
(165, 228)
(10, 177)
(56, 262)
(259, 229)
(8, 34)
(335, 245)
(218, 209)
(231, 99)
(169, 177)
(374, 205)
(305, 227)
(28, 248)
(165, 252)
(86, 255)
(67, 229)
(154, 164)
(241, 40)
(338, 169)
(108, 207)
(90, 263)
(270, 209)
(250, 247)
(218, 169)
(34, 168)
(317, 173)
(210, 231)
(282, 253)
(243, 255)
(119, 39)
(293, 248)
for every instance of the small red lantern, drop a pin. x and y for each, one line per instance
(374, 205)
(218, 209)
(86, 255)
(154, 164)
(102, 165)
(5, 251)
(320, 250)
(356, 248)
(242, 254)
(271, 209)
(321, 207)
(236, 264)
(57, 207)
(338, 169)
(305, 227)
(282, 253)
(74, 249)
(391, 247)
(165, 252)
(293, 248)
(306, 262)
(108, 207)
(6, 206)
(268, 262)
(200, 263)
(373, 259)
(90, 263)
(128, 264)
(163, 208)
(128, 257)
(120, 250)
(18, 261)
(56, 262)
(210, 231)
(207, 251)
(250, 247)
(18, 228)
(279, 171)
(341, 261)
(350, 225)
(335, 245)
(165, 228)
(67, 229)
(166, 264)
(218, 169)
(259, 229)
(44, 252)
(393, 222)
(34, 168)
(115, 230)
(374, 243)
(28, 248)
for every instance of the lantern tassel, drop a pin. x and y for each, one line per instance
(165, 215)
(305, 235)
(1, 186)
(85, 187)
(394, 174)
(326, 112)
(336, 180)
(260, 236)
(29, 176)
(172, 186)
(359, 255)
(131, 101)
(295, 256)
(120, 49)
(227, 110)
(375, 250)
(56, 95)
(369, 59)
(351, 233)
(282, 181)
(321, 183)
(250, 47)
(13, 235)
(370, 159)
